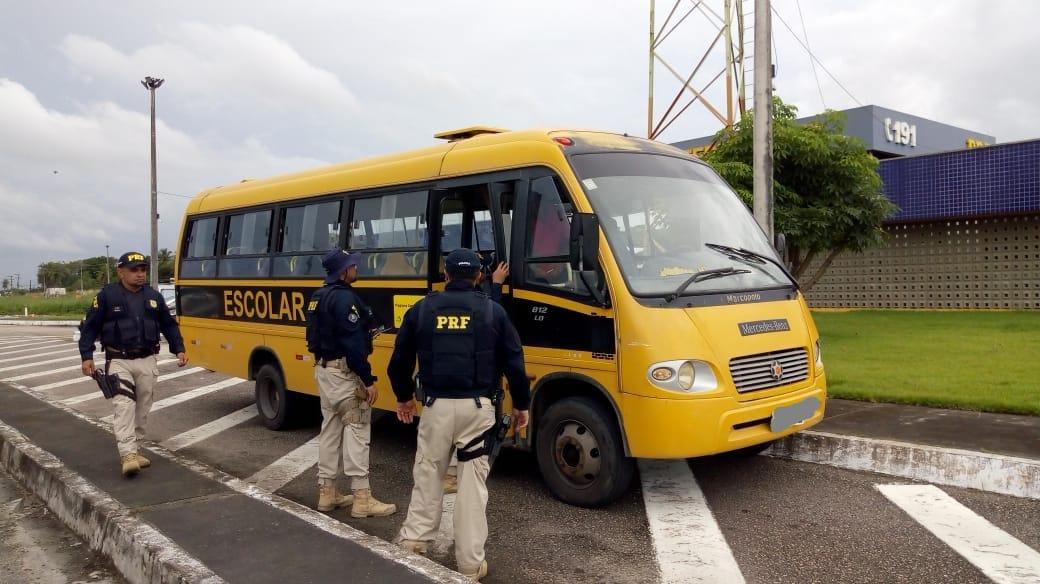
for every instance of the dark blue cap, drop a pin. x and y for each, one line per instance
(337, 261)
(462, 261)
(132, 259)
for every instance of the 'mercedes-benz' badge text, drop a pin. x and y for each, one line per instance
(758, 327)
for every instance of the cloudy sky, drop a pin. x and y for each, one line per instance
(260, 87)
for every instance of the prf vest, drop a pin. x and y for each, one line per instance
(456, 345)
(123, 328)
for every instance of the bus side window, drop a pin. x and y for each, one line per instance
(200, 250)
(390, 233)
(548, 242)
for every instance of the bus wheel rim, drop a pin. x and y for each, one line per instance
(576, 453)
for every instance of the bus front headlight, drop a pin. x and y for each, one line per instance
(684, 375)
(819, 356)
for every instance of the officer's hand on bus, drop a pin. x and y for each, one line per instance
(182, 359)
(88, 367)
(406, 411)
(520, 418)
(501, 273)
(373, 393)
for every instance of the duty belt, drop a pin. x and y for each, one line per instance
(325, 362)
(131, 354)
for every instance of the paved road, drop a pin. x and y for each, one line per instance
(713, 520)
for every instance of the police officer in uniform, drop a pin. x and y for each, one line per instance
(338, 325)
(463, 341)
(128, 316)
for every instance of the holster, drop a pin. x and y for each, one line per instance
(355, 409)
(111, 385)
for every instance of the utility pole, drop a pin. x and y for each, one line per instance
(762, 151)
(108, 271)
(17, 280)
(81, 277)
(151, 84)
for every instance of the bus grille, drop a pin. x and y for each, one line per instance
(773, 369)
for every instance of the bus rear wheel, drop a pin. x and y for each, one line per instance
(277, 406)
(580, 453)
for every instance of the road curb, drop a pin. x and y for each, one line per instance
(39, 322)
(96, 532)
(994, 473)
(139, 551)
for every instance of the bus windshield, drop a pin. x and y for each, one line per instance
(669, 218)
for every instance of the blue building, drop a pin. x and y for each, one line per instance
(967, 233)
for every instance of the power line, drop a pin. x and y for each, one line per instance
(174, 195)
(813, 57)
(805, 33)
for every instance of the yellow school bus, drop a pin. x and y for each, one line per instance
(656, 318)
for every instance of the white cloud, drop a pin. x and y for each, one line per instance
(73, 182)
(217, 66)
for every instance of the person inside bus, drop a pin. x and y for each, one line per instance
(338, 335)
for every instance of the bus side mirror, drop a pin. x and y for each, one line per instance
(781, 247)
(584, 253)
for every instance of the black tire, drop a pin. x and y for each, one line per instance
(580, 453)
(278, 408)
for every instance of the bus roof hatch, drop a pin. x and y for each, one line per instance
(462, 134)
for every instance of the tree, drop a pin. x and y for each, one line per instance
(7, 284)
(166, 259)
(827, 192)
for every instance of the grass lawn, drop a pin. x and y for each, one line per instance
(984, 360)
(68, 307)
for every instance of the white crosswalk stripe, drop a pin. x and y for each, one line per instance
(999, 556)
(188, 395)
(288, 467)
(22, 344)
(34, 349)
(64, 359)
(208, 430)
(688, 543)
(97, 394)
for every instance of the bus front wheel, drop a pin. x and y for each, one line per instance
(275, 404)
(580, 453)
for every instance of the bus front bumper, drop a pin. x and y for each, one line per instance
(666, 428)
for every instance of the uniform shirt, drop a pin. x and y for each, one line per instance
(509, 353)
(349, 315)
(135, 306)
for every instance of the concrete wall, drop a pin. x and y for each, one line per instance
(984, 263)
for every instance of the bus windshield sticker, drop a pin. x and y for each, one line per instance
(589, 184)
(758, 327)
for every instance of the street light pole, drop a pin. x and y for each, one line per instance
(108, 271)
(151, 84)
(762, 146)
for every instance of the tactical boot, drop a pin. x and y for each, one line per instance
(451, 483)
(416, 547)
(329, 497)
(480, 573)
(130, 465)
(365, 505)
(142, 461)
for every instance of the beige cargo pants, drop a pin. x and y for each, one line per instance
(446, 424)
(346, 425)
(130, 418)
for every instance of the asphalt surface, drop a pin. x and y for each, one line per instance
(784, 521)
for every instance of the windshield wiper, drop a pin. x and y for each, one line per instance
(750, 256)
(705, 275)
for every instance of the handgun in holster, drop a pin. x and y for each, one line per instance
(111, 385)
